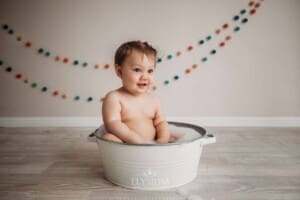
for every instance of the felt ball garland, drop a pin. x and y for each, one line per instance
(252, 4)
(43, 89)
(47, 53)
(222, 43)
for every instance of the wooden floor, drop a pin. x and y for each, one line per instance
(59, 163)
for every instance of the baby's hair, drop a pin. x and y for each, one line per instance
(125, 50)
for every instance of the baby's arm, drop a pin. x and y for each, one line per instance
(161, 125)
(111, 112)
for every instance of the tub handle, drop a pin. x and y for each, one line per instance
(92, 136)
(209, 138)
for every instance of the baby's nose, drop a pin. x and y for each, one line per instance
(144, 76)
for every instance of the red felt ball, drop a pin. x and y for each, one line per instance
(251, 3)
(19, 76)
(252, 12)
(55, 93)
(225, 26)
(28, 44)
(66, 60)
(222, 44)
(190, 48)
(106, 66)
(218, 31)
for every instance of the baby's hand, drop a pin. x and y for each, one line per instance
(162, 140)
(174, 138)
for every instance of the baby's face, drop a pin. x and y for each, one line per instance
(137, 72)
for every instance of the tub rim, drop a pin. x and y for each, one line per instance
(202, 132)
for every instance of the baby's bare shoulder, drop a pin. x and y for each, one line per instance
(111, 98)
(114, 94)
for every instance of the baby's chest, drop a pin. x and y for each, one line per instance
(133, 110)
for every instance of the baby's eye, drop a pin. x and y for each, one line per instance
(137, 69)
(150, 71)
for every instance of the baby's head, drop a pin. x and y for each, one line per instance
(135, 64)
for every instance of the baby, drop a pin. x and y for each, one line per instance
(130, 114)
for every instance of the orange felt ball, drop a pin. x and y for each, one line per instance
(187, 71)
(19, 38)
(57, 58)
(228, 37)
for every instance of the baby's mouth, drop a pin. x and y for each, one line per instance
(142, 85)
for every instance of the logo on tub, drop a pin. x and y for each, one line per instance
(149, 177)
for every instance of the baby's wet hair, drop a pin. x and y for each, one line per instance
(125, 50)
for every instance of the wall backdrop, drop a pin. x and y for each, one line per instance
(255, 72)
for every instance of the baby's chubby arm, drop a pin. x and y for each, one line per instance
(161, 125)
(111, 112)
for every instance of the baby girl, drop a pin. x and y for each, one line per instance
(130, 114)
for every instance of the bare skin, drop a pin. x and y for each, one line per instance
(130, 113)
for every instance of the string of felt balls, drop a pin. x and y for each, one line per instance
(43, 88)
(57, 93)
(76, 62)
(253, 6)
(253, 9)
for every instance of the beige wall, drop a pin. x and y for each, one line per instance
(256, 74)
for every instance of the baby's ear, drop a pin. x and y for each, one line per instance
(118, 70)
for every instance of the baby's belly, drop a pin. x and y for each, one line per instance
(143, 127)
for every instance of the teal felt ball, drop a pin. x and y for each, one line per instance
(243, 11)
(47, 54)
(236, 29)
(201, 42)
(41, 50)
(8, 69)
(34, 85)
(77, 98)
(85, 64)
(44, 89)
(76, 62)
(245, 20)
(235, 18)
